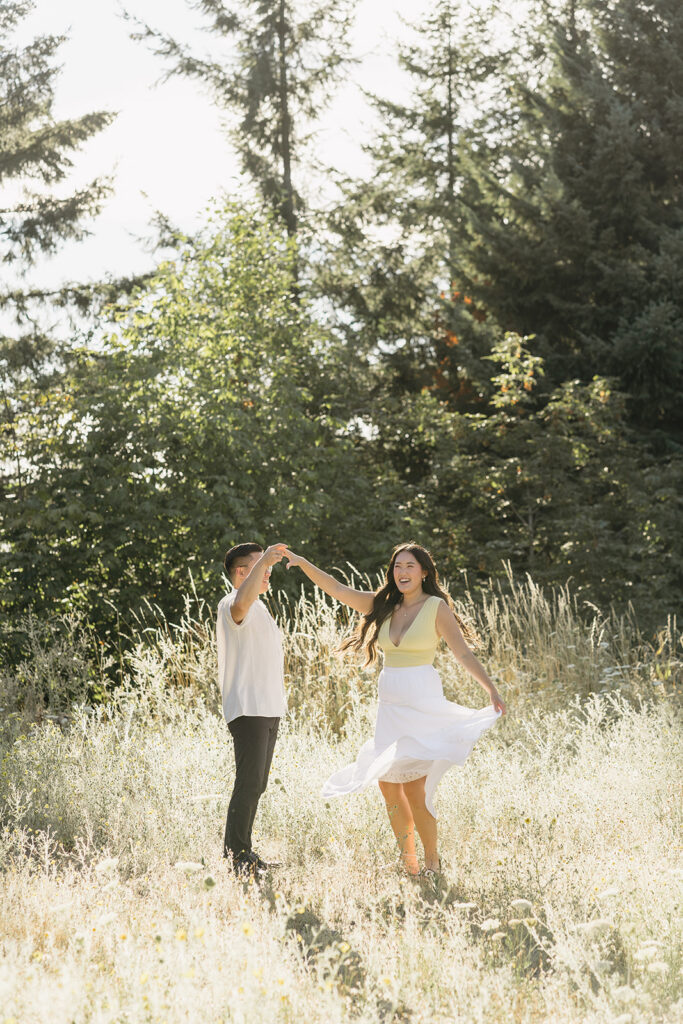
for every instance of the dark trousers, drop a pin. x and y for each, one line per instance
(254, 739)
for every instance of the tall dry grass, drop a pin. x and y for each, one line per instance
(560, 839)
(539, 644)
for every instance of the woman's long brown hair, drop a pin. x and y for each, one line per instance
(364, 637)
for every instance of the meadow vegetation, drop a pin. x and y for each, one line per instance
(560, 899)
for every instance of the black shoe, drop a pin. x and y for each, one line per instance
(264, 865)
(247, 865)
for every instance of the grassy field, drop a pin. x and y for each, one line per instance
(561, 841)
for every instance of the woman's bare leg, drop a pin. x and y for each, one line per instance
(402, 823)
(424, 821)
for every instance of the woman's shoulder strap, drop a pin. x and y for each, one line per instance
(433, 603)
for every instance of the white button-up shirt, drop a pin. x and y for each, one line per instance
(250, 662)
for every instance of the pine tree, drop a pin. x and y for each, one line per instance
(395, 260)
(36, 156)
(285, 59)
(571, 225)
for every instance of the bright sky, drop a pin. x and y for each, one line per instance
(166, 149)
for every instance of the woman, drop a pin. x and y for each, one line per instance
(419, 735)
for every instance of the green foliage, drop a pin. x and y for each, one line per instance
(201, 420)
(555, 485)
(571, 206)
(395, 242)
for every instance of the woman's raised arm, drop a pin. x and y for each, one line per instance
(359, 600)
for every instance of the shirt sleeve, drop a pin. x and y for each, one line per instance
(227, 613)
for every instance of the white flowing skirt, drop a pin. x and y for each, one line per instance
(418, 733)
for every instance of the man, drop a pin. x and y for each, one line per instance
(251, 678)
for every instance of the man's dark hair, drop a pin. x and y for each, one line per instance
(235, 553)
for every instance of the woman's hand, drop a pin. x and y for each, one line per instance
(497, 701)
(359, 600)
(293, 559)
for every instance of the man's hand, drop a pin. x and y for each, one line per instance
(275, 553)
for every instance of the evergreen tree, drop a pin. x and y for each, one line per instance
(548, 480)
(36, 155)
(396, 254)
(571, 222)
(284, 59)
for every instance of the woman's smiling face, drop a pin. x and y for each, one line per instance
(408, 573)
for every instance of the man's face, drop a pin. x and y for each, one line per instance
(244, 568)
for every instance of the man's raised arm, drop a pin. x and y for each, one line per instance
(251, 586)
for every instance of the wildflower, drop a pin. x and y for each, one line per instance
(602, 966)
(188, 867)
(144, 978)
(498, 936)
(646, 952)
(492, 924)
(343, 947)
(521, 907)
(465, 906)
(246, 928)
(594, 929)
(181, 935)
(198, 932)
(106, 866)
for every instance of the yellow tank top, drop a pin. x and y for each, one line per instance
(418, 644)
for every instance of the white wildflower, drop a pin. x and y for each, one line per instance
(648, 951)
(189, 867)
(521, 907)
(492, 924)
(608, 894)
(465, 906)
(594, 929)
(106, 866)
